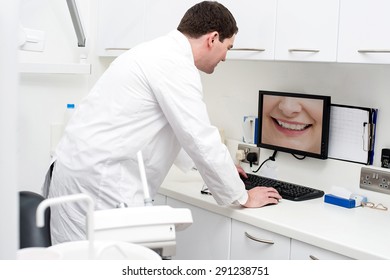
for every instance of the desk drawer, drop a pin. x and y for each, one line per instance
(251, 243)
(304, 251)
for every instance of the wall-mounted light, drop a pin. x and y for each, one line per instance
(76, 22)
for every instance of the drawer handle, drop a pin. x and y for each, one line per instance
(258, 239)
(117, 49)
(303, 50)
(313, 258)
(374, 51)
(247, 49)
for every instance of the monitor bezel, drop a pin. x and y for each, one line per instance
(325, 124)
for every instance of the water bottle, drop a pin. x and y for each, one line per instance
(70, 107)
(57, 129)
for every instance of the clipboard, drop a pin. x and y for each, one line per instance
(352, 133)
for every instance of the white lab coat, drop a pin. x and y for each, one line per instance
(149, 99)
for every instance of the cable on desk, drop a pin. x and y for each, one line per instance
(270, 158)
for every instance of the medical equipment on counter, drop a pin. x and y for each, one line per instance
(343, 197)
(249, 127)
(151, 226)
(147, 199)
(90, 248)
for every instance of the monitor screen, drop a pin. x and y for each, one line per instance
(294, 123)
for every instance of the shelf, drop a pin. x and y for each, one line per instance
(47, 68)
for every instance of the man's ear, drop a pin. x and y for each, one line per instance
(213, 36)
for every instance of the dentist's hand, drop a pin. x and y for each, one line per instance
(261, 196)
(241, 172)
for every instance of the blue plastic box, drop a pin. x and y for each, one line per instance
(340, 201)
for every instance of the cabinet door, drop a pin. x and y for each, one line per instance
(164, 16)
(364, 31)
(120, 26)
(306, 30)
(252, 243)
(304, 251)
(208, 238)
(256, 21)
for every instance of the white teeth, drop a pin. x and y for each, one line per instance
(290, 126)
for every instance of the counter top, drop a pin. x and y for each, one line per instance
(359, 233)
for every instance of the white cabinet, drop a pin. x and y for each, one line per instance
(298, 30)
(164, 16)
(307, 30)
(217, 237)
(256, 28)
(304, 251)
(364, 31)
(252, 243)
(122, 24)
(208, 238)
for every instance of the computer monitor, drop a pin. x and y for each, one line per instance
(294, 123)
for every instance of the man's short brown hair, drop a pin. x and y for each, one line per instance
(206, 17)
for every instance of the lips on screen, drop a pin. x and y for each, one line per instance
(296, 123)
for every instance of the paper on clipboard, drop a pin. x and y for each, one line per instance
(350, 133)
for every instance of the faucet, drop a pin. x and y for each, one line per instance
(40, 221)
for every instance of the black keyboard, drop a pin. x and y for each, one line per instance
(287, 190)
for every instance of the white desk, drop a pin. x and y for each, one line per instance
(359, 233)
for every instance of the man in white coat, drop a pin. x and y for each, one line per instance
(150, 99)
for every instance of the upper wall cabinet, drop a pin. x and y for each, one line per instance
(122, 24)
(306, 30)
(256, 23)
(364, 31)
(164, 16)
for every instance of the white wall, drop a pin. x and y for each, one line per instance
(43, 97)
(9, 240)
(230, 93)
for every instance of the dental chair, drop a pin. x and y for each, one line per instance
(29, 234)
(35, 240)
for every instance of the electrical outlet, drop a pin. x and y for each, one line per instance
(247, 148)
(375, 180)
